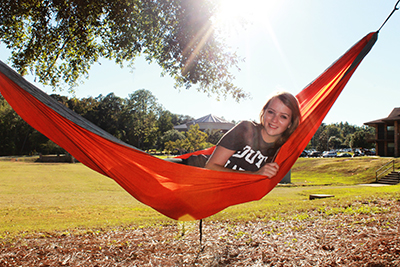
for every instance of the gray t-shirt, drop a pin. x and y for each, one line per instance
(251, 151)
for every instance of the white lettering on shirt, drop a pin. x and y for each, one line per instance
(241, 154)
(250, 156)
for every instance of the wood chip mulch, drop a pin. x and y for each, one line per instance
(363, 234)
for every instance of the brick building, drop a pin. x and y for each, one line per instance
(387, 134)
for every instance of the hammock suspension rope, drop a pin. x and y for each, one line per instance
(391, 13)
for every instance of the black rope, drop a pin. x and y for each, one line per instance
(201, 230)
(201, 248)
(394, 10)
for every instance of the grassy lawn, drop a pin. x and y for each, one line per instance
(337, 171)
(44, 197)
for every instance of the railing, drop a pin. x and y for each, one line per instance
(384, 169)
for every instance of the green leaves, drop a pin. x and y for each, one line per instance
(194, 140)
(58, 41)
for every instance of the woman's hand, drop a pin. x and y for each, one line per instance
(221, 155)
(269, 169)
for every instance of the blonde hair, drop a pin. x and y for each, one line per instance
(293, 104)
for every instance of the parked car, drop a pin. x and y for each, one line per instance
(370, 152)
(303, 154)
(329, 154)
(358, 154)
(344, 155)
(314, 154)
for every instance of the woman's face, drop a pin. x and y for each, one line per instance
(276, 120)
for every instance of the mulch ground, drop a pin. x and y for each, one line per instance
(369, 236)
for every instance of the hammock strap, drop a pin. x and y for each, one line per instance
(394, 10)
(201, 230)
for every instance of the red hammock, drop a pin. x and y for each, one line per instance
(175, 190)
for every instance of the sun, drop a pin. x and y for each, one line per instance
(234, 16)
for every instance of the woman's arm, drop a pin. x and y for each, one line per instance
(218, 159)
(221, 155)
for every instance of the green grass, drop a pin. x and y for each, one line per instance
(337, 171)
(290, 202)
(45, 197)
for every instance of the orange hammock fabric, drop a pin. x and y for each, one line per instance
(178, 191)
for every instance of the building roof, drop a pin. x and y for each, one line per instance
(207, 122)
(393, 116)
(210, 118)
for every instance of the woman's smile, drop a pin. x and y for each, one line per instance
(277, 119)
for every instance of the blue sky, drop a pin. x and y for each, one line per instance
(287, 47)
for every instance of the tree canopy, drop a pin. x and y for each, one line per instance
(141, 121)
(342, 135)
(58, 41)
(138, 120)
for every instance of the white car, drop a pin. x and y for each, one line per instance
(329, 154)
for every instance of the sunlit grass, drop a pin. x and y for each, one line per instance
(337, 171)
(45, 197)
(42, 197)
(289, 202)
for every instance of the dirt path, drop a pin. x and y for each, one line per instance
(366, 234)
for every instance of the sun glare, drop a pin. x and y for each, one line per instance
(235, 15)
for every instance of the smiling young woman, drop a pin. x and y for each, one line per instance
(276, 119)
(285, 107)
(251, 147)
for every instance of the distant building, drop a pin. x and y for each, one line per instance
(209, 122)
(387, 134)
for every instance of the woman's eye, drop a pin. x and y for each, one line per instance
(270, 112)
(284, 117)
